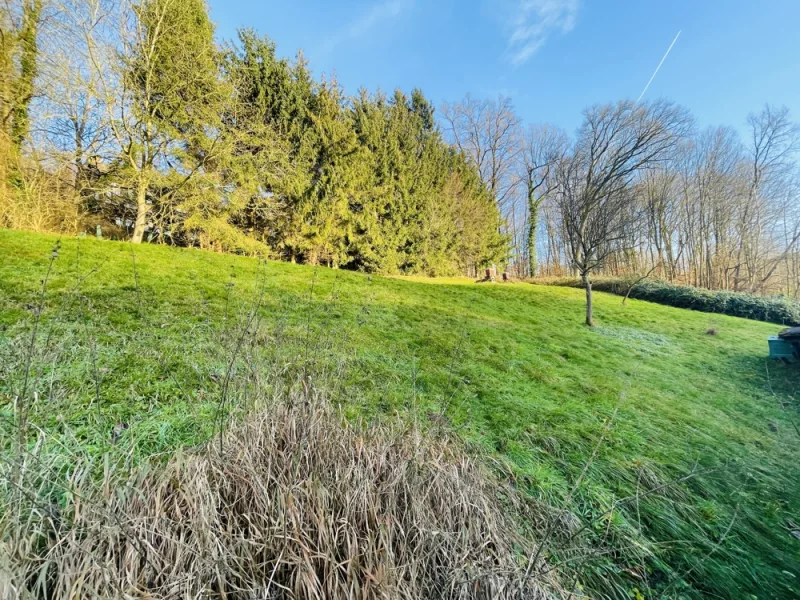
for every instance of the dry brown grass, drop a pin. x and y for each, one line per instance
(296, 503)
(41, 202)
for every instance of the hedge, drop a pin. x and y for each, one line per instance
(772, 309)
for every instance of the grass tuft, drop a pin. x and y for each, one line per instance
(294, 502)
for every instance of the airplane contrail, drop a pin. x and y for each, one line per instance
(658, 67)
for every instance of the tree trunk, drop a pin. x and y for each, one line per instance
(533, 223)
(141, 214)
(28, 69)
(589, 309)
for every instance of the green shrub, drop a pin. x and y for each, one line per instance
(771, 309)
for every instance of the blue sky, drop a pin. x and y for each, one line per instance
(552, 57)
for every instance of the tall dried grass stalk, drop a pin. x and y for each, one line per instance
(296, 503)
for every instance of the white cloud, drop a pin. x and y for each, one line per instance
(532, 23)
(361, 25)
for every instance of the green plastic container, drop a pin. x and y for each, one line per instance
(780, 349)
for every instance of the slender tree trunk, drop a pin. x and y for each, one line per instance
(141, 214)
(589, 308)
(533, 224)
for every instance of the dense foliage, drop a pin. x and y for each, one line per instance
(368, 182)
(154, 132)
(771, 309)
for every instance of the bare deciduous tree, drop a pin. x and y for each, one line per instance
(544, 149)
(774, 141)
(596, 200)
(72, 122)
(489, 134)
(719, 213)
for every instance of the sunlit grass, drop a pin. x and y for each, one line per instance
(510, 365)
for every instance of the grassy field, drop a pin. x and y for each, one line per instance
(673, 447)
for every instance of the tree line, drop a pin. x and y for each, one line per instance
(128, 118)
(639, 190)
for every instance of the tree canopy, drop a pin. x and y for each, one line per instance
(233, 148)
(131, 116)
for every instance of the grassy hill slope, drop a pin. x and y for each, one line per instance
(693, 431)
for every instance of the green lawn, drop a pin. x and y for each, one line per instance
(512, 366)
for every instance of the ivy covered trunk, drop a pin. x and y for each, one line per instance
(28, 70)
(533, 225)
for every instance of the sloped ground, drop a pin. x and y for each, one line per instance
(674, 451)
